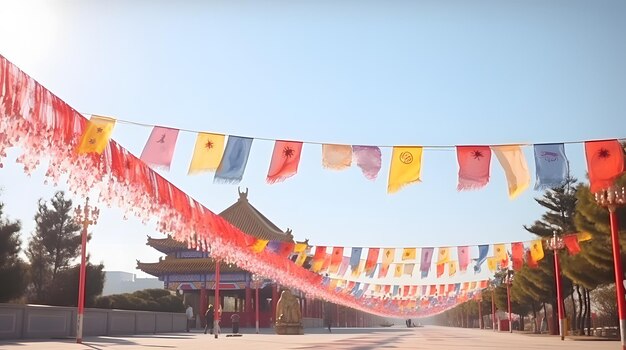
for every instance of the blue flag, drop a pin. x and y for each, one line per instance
(395, 290)
(234, 161)
(552, 166)
(482, 256)
(355, 258)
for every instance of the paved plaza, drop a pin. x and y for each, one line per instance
(429, 337)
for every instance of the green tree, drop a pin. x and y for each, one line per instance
(63, 290)
(54, 246)
(12, 269)
(146, 300)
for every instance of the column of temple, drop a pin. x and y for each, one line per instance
(248, 305)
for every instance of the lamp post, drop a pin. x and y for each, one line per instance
(257, 280)
(508, 281)
(84, 216)
(612, 199)
(555, 244)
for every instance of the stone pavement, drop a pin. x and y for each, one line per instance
(429, 337)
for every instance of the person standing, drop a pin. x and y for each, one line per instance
(189, 313)
(209, 316)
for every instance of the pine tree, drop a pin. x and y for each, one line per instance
(12, 269)
(54, 245)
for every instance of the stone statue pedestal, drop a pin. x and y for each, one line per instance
(289, 328)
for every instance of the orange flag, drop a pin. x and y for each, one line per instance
(259, 245)
(517, 253)
(499, 251)
(285, 161)
(605, 163)
(336, 157)
(408, 254)
(97, 134)
(536, 249)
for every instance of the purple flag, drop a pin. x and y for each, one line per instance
(344, 266)
(369, 159)
(427, 256)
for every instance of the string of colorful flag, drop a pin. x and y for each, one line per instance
(382, 260)
(228, 157)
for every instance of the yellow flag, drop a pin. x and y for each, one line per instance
(97, 134)
(376, 288)
(499, 252)
(514, 164)
(408, 254)
(444, 255)
(259, 245)
(406, 165)
(300, 247)
(492, 263)
(452, 268)
(398, 271)
(536, 249)
(301, 258)
(389, 254)
(207, 153)
(584, 236)
(472, 285)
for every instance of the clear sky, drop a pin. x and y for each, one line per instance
(351, 72)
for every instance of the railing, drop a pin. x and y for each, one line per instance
(40, 321)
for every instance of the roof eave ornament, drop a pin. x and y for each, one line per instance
(242, 195)
(289, 233)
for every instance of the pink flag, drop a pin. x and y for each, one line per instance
(369, 159)
(159, 149)
(464, 258)
(285, 161)
(474, 164)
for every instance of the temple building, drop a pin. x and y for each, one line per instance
(192, 273)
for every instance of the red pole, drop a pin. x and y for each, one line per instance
(508, 301)
(619, 274)
(256, 309)
(218, 304)
(559, 301)
(493, 308)
(81, 280)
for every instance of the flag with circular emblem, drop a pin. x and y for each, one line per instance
(372, 258)
(409, 254)
(499, 251)
(464, 257)
(605, 163)
(336, 259)
(285, 161)
(97, 134)
(207, 153)
(406, 167)
(444, 255)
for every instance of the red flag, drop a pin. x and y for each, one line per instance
(530, 261)
(285, 160)
(336, 259)
(442, 289)
(433, 290)
(440, 269)
(464, 257)
(484, 284)
(517, 252)
(372, 258)
(605, 163)
(474, 164)
(405, 291)
(571, 242)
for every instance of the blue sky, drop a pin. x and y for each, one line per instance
(351, 72)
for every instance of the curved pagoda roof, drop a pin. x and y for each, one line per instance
(242, 215)
(190, 265)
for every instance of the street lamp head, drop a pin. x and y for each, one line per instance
(556, 242)
(611, 197)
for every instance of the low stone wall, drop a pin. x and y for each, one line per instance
(40, 321)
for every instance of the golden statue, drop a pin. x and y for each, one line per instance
(288, 315)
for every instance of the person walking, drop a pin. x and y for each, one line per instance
(189, 313)
(209, 316)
